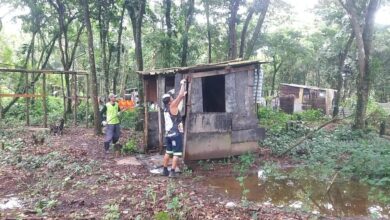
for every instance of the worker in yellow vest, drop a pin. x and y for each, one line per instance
(112, 111)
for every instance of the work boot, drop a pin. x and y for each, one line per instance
(173, 174)
(106, 146)
(165, 172)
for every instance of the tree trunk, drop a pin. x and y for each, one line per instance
(118, 52)
(91, 54)
(188, 22)
(342, 58)
(167, 45)
(104, 24)
(256, 33)
(364, 35)
(136, 9)
(232, 41)
(245, 29)
(276, 69)
(207, 9)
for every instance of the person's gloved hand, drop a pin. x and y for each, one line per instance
(104, 123)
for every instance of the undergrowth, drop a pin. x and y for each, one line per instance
(356, 154)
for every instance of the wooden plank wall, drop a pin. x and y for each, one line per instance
(230, 92)
(196, 95)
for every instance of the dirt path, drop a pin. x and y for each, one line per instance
(70, 177)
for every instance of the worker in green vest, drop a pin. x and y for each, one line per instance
(112, 111)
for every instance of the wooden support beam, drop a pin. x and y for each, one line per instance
(22, 95)
(2, 70)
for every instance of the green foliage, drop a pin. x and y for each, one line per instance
(112, 212)
(162, 215)
(130, 147)
(45, 205)
(273, 120)
(354, 153)
(129, 119)
(310, 115)
(244, 163)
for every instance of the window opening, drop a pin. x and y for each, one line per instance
(213, 90)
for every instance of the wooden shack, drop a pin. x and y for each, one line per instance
(297, 98)
(218, 112)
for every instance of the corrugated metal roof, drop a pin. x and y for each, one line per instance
(305, 86)
(200, 67)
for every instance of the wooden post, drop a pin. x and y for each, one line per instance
(160, 92)
(188, 115)
(27, 101)
(63, 96)
(87, 107)
(146, 123)
(44, 100)
(75, 99)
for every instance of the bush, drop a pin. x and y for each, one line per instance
(274, 121)
(129, 119)
(310, 115)
(130, 147)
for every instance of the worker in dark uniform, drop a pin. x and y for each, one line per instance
(173, 130)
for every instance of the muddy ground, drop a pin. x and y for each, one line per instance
(70, 177)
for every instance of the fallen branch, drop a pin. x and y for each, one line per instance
(331, 183)
(308, 136)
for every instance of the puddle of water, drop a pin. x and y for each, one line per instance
(345, 199)
(10, 203)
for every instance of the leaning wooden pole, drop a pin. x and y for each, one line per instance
(300, 141)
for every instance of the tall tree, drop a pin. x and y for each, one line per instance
(342, 57)
(363, 25)
(255, 36)
(136, 9)
(207, 10)
(104, 8)
(93, 79)
(118, 51)
(65, 18)
(232, 40)
(188, 21)
(168, 42)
